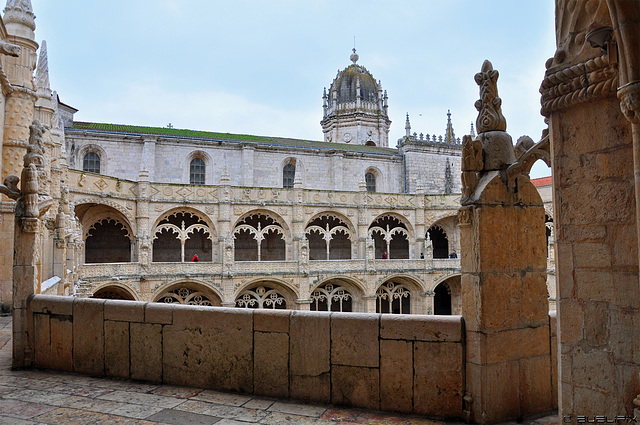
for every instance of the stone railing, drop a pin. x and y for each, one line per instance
(397, 363)
(111, 270)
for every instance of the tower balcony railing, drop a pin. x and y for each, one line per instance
(353, 106)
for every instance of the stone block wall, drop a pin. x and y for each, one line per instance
(388, 362)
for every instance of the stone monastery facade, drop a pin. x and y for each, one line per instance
(344, 224)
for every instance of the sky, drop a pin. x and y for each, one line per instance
(260, 66)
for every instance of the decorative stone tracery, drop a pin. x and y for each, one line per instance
(261, 297)
(259, 237)
(393, 298)
(391, 237)
(335, 234)
(185, 295)
(331, 298)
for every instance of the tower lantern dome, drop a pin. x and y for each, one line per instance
(355, 108)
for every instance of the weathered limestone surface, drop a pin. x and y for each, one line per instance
(203, 337)
(410, 364)
(597, 258)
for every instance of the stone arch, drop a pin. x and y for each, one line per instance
(181, 234)
(331, 236)
(439, 241)
(188, 291)
(126, 213)
(392, 235)
(91, 147)
(447, 295)
(184, 209)
(398, 294)
(336, 214)
(266, 293)
(322, 291)
(107, 234)
(448, 224)
(115, 291)
(261, 235)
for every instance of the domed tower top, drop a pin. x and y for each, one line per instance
(358, 99)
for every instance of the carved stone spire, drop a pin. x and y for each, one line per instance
(449, 135)
(490, 116)
(42, 71)
(20, 13)
(407, 126)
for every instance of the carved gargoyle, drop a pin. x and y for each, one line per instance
(30, 203)
(10, 187)
(35, 148)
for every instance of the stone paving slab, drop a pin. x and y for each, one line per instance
(21, 409)
(35, 397)
(177, 417)
(64, 416)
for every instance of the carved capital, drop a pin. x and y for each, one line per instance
(464, 216)
(29, 224)
(629, 96)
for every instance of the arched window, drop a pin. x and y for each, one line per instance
(440, 242)
(288, 175)
(370, 180)
(197, 170)
(442, 300)
(91, 162)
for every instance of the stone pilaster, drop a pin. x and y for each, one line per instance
(141, 249)
(25, 279)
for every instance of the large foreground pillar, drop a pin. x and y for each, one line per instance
(504, 295)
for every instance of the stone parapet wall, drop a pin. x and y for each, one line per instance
(397, 363)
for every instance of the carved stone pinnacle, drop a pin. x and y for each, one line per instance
(490, 116)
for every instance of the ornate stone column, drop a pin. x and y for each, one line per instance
(504, 301)
(32, 203)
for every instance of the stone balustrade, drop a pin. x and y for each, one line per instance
(102, 270)
(398, 363)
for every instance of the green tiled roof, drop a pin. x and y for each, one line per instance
(209, 135)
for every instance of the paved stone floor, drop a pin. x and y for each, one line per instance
(31, 397)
